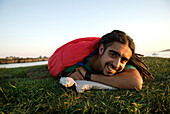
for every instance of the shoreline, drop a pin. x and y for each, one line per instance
(17, 65)
(21, 60)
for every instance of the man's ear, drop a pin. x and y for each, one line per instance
(101, 49)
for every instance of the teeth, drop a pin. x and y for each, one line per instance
(110, 68)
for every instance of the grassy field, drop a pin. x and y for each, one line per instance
(34, 90)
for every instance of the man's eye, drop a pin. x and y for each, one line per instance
(124, 60)
(112, 55)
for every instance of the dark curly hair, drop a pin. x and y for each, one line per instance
(135, 60)
(118, 36)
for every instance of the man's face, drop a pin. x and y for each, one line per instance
(114, 58)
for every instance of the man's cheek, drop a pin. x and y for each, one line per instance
(121, 68)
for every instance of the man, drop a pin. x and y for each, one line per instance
(114, 63)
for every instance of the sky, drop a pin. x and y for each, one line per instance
(30, 28)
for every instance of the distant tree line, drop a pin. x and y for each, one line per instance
(13, 59)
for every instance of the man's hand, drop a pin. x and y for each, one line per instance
(79, 74)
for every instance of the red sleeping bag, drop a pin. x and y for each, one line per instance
(71, 53)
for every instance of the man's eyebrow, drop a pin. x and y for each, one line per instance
(115, 52)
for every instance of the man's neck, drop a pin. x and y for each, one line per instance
(95, 64)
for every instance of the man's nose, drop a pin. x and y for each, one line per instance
(116, 63)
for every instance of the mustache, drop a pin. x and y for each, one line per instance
(115, 68)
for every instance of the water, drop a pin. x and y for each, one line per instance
(158, 54)
(15, 65)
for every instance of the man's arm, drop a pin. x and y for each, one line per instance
(128, 79)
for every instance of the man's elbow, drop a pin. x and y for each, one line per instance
(138, 86)
(138, 83)
(136, 80)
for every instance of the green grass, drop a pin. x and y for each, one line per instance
(34, 90)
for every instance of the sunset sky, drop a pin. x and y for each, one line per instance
(30, 28)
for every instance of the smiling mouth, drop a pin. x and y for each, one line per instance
(111, 69)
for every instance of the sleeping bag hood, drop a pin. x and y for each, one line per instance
(71, 53)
